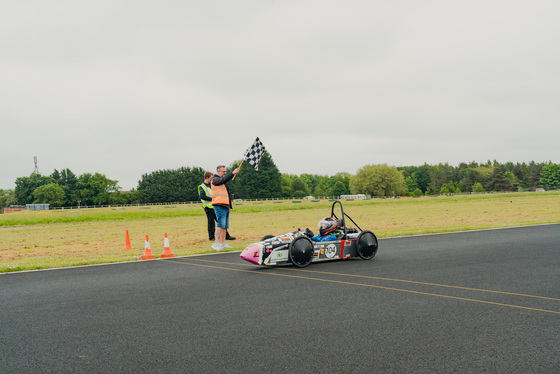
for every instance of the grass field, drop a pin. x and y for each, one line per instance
(38, 240)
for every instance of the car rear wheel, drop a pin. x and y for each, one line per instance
(266, 237)
(366, 245)
(301, 251)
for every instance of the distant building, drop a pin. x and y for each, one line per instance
(37, 207)
(14, 208)
(355, 197)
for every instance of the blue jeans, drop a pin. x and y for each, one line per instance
(222, 216)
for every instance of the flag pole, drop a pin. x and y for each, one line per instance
(238, 167)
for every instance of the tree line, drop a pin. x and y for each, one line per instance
(64, 188)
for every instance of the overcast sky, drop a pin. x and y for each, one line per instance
(125, 88)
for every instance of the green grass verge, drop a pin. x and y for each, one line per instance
(89, 236)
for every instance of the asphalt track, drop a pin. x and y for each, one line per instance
(470, 302)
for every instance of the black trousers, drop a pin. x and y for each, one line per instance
(211, 218)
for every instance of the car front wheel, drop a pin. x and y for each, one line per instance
(301, 251)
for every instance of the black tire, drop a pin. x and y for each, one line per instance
(301, 251)
(266, 237)
(366, 245)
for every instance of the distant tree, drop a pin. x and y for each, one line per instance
(51, 194)
(96, 189)
(411, 184)
(258, 184)
(325, 186)
(299, 189)
(311, 181)
(3, 199)
(7, 198)
(378, 180)
(68, 181)
(166, 186)
(449, 187)
(315, 185)
(319, 192)
(422, 177)
(469, 178)
(339, 189)
(286, 185)
(124, 197)
(520, 171)
(440, 175)
(476, 174)
(477, 187)
(509, 175)
(416, 192)
(90, 189)
(550, 176)
(26, 185)
(420, 174)
(498, 181)
(344, 178)
(534, 177)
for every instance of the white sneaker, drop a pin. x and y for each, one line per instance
(217, 246)
(227, 246)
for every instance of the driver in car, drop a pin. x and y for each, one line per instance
(326, 226)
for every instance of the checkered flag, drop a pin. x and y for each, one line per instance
(254, 154)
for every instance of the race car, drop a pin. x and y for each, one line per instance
(301, 247)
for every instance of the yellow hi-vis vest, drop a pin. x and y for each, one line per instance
(208, 191)
(219, 194)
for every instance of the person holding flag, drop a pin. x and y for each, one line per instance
(221, 202)
(205, 195)
(221, 198)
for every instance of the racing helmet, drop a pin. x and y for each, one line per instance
(327, 225)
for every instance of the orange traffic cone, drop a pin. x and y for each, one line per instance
(166, 250)
(127, 241)
(147, 251)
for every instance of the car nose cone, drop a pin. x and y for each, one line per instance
(252, 254)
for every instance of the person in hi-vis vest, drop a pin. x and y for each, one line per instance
(221, 201)
(205, 194)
